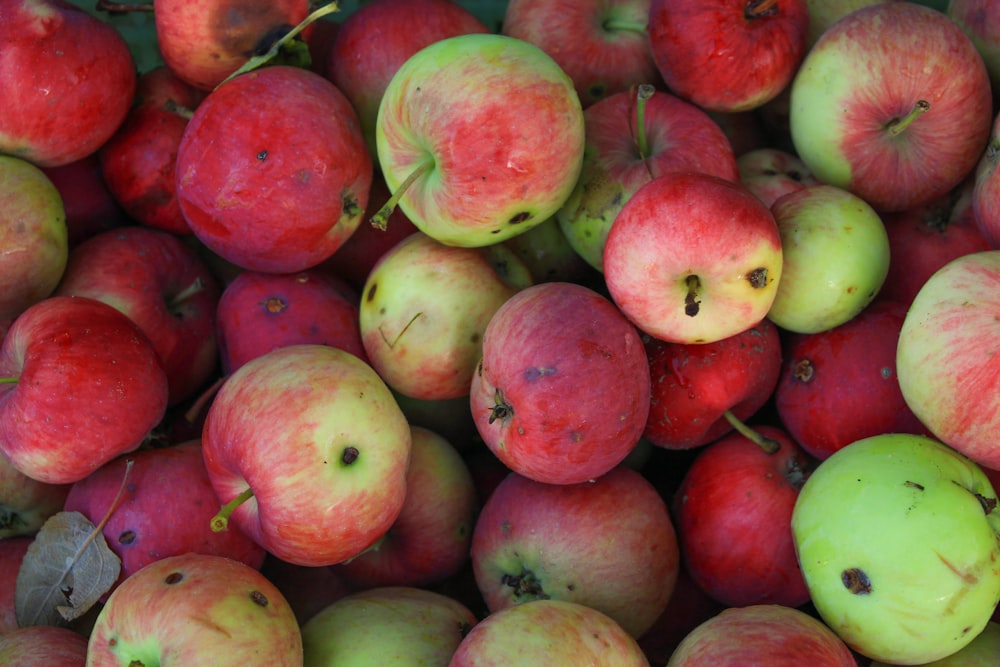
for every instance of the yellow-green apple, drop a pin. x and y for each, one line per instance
(824, 13)
(195, 609)
(770, 172)
(728, 55)
(67, 79)
(556, 633)
(608, 544)
(387, 625)
(897, 538)
(12, 550)
(378, 37)
(980, 19)
(986, 188)
(632, 137)
(80, 385)
(762, 634)
(893, 103)
(204, 42)
(733, 514)
(259, 312)
(137, 528)
(26, 503)
(43, 646)
(162, 285)
(561, 393)
(693, 258)
(840, 385)
(479, 137)
(980, 652)
(429, 541)
(424, 308)
(547, 253)
(308, 450)
(90, 207)
(696, 388)
(836, 257)
(272, 171)
(951, 325)
(33, 234)
(601, 45)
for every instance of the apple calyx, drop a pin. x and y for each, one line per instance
(769, 445)
(524, 586)
(895, 126)
(803, 370)
(502, 410)
(220, 521)
(756, 9)
(381, 216)
(643, 93)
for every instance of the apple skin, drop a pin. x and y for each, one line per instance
(840, 385)
(733, 514)
(952, 321)
(424, 308)
(762, 49)
(694, 385)
(33, 233)
(689, 607)
(12, 550)
(980, 652)
(26, 503)
(770, 172)
(195, 609)
(547, 253)
(502, 140)
(556, 633)
(689, 226)
(824, 13)
(897, 538)
(608, 544)
(43, 646)
(561, 394)
(163, 286)
(138, 531)
(764, 634)
(601, 45)
(679, 137)
(981, 22)
(318, 438)
(429, 541)
(836, 258)
(849, 97)
(84, 369)
(89, 206)
(393, 625)
(986, 189)
(56, 58)
(272, 172)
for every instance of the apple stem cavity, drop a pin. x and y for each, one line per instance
(897, 125)
(692, 304)
(221, 520)
(643, 93)
(381, 217)
(769, 445)
(194, 288)
(756, 9)
(502, 410)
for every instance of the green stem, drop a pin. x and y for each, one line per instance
(381, 217)
(194, 288)
(769, 445)
(10, 380)
(897, 125)
(624, 25)
(644, 92)
(221, 520)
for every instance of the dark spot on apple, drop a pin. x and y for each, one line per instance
(571, 587)
(371, 292)
(756, 9)
(795, 175)
(350, 455)
(463, 629)
(474, 338)
(597, 91)
(966, 629)
(988, 504)
(523, 216)
(350, 205)
(914, 485)
(112, 642)
(758, 278)
(856, 581)
(886, 373)
(173, 578)
(126, 537)
(262, 155)
(691, 302)
(501, 410)
(273, 305)
(258, 598)
(803, 370)
(525, 586)
(534, 373)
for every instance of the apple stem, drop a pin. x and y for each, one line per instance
(643, 93)
(897, 125)
(122, 7)
(769, 445)
(191, 414)
(691, 303)
(9, 380)
(624, 25)
(756, 9)
(381, 216)
(173, 107)
(195, 287)
(221, 520)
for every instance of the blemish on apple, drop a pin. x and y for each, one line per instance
(349, 455)
(758, 278)
(262, 155)
(914, 485)
(274, 304)
(126, 537)
(803, 370)
(538, 372)
(258, 598)
(517, 219)
(173, 578)
(856, 581)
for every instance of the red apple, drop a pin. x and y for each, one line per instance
(43, 646)
(986, 192)
(12, 550)
(689, 607)
(772, 172)
(26, 503)
(89, 205)
(980, 19)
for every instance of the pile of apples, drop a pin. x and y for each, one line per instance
(644, 332)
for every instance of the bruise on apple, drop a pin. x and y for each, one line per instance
(856, 581)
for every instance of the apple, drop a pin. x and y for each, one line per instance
(980, 652)
(728, 55)
(272, 172)
(601, 45)
(762, 634)
(424, 308)
(429, 541)
(308, 451)
(43, 646)
(892, 103)
(450, 418)
(733, 514)
(479, 137)
(546, 252)
(946, 360)
(394, 625)
(12, 550)
(80, 385)
(556, 633)
(608, 544)
(195, 609)
(693, 258)
(378, 37)
(632, 137)
(770, 172)
(562, 391)
(67, 79)
(308, 589)
(897, 538)
(836, 257)
(824, 13)
(986, 188)
(33, 234)
(26, 503)
(163, 286)
(698, 388)
(89, 206)
(980, 19)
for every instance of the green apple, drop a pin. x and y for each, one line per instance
(983, 651)
(897, 538)
(836, 257)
